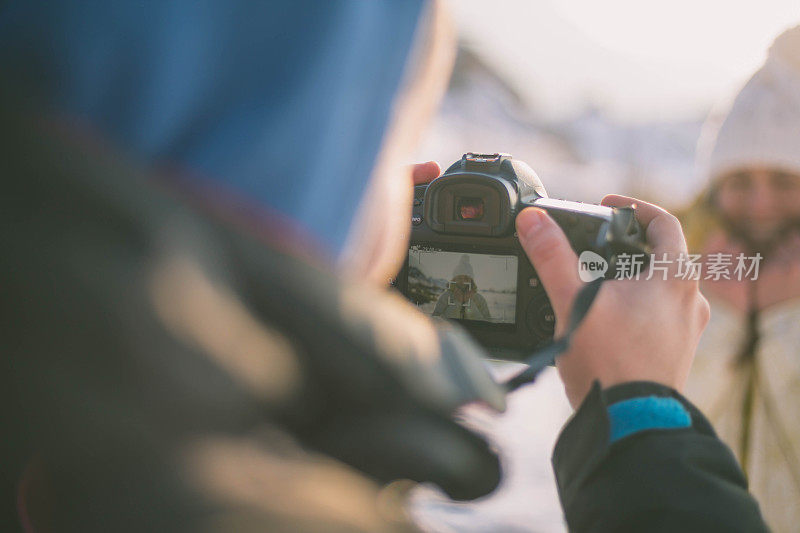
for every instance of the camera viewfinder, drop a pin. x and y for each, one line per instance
(469, 208)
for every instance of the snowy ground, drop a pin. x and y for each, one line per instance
(527, 499)
(502, 305)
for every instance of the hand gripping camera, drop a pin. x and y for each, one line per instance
(466, 264)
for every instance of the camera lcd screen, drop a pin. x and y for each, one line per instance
(463, 286)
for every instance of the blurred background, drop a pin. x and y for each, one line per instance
(597, 97)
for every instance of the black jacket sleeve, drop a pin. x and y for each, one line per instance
(683, 479)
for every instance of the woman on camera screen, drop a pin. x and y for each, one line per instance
(461, 299)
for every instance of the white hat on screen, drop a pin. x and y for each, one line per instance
(463, 268)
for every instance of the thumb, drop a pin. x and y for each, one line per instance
(552, 256)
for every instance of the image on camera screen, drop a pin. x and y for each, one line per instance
(463, 286)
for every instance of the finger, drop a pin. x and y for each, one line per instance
(551, 255)
(663, 230)
(423, 173)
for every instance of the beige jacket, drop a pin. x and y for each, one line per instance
(768, 446)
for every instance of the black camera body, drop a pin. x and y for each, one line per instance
(466, 264)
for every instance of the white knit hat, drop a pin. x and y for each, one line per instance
(762, 126)
(463, 268)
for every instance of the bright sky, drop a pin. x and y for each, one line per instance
(638, 59)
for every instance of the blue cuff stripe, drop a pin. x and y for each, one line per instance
(650, 412)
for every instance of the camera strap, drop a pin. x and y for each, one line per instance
(546, 356)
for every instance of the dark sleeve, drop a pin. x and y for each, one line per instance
(683, 479)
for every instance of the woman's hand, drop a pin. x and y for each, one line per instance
(733, 292)
(779, 278)
(635, 330)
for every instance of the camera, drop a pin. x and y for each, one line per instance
(466, 264)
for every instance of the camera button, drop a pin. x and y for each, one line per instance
(541, 319)
(416, 220)
(417, 202)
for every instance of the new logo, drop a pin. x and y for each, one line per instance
(591, 266)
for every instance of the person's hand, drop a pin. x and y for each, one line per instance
(779, 278)
(733, 292)
(378, 242)
(636, 330)
(463, 288)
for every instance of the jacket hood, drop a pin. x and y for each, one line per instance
(283, 104)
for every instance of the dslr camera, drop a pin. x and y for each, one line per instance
(466, 264)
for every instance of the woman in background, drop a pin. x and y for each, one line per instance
(746, 375)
